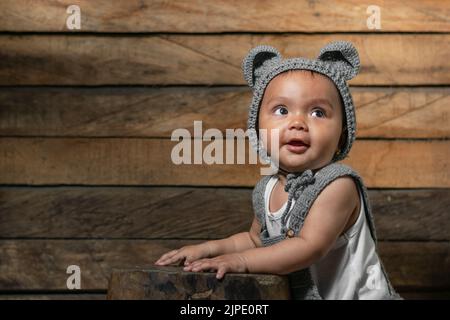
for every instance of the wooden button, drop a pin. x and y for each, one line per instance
(290, 233)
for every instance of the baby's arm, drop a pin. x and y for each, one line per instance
(236, 243)
(326, 220)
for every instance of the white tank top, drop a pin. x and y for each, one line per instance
(351, 269)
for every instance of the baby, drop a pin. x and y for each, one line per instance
(313, 218)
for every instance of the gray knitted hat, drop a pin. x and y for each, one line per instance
(338, 60)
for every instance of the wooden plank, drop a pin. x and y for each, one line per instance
(152, 213)
(408, 295)
(416, 264)
(156, 112)
(42, 264)
(386, 59)
(402, 112)
(425, 295)
(224, 16)
(72, 212)
(69, 295)
(172, 283)
(23, 295)
(87, 161)
(400, 214)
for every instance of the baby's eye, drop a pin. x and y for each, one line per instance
(318, 113)
(282, 110)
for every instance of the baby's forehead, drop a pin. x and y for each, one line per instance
(304, 82)
(302, 77)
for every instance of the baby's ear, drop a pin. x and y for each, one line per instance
(343, 55)
(252, 65)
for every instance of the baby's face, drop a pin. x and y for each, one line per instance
(307, 111)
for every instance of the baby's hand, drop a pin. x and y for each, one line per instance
(186, 253)
(233, 262)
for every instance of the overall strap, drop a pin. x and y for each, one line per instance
(258, 200)
(301, 285)
(323, 178)
(260, 213)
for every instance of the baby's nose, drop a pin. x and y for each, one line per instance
(298, 123)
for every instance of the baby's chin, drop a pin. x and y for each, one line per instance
(292, 162)
(293, 165)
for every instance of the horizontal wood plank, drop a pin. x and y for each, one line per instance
(23, 295)
(417, 264)
(88, 161)
(156, 112)
(42, 264)
(425, 295)
(224, 16)
(210, 213)
(142, 212)
(173, 283)
(69, 295)
(402, 59)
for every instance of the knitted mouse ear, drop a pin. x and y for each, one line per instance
(344, 56)
(252, 65)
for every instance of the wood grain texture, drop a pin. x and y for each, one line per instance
(85, 171)
(67, 295)
(39, 264)
(172, 283)
(417, 264)
(425, 295)
(191, 213)
(224, 16)
(156, 112)
(88, 161)
(208, 59)
(64, 295)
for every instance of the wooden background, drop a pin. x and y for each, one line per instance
(86, 118)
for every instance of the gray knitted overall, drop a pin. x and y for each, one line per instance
(304, 188)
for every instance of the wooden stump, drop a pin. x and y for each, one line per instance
(172, 283)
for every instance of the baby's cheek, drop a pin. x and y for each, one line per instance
(271, 141)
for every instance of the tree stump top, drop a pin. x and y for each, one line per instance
(172, 283)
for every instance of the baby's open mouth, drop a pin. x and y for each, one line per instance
(297, 146)
(298, 143)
